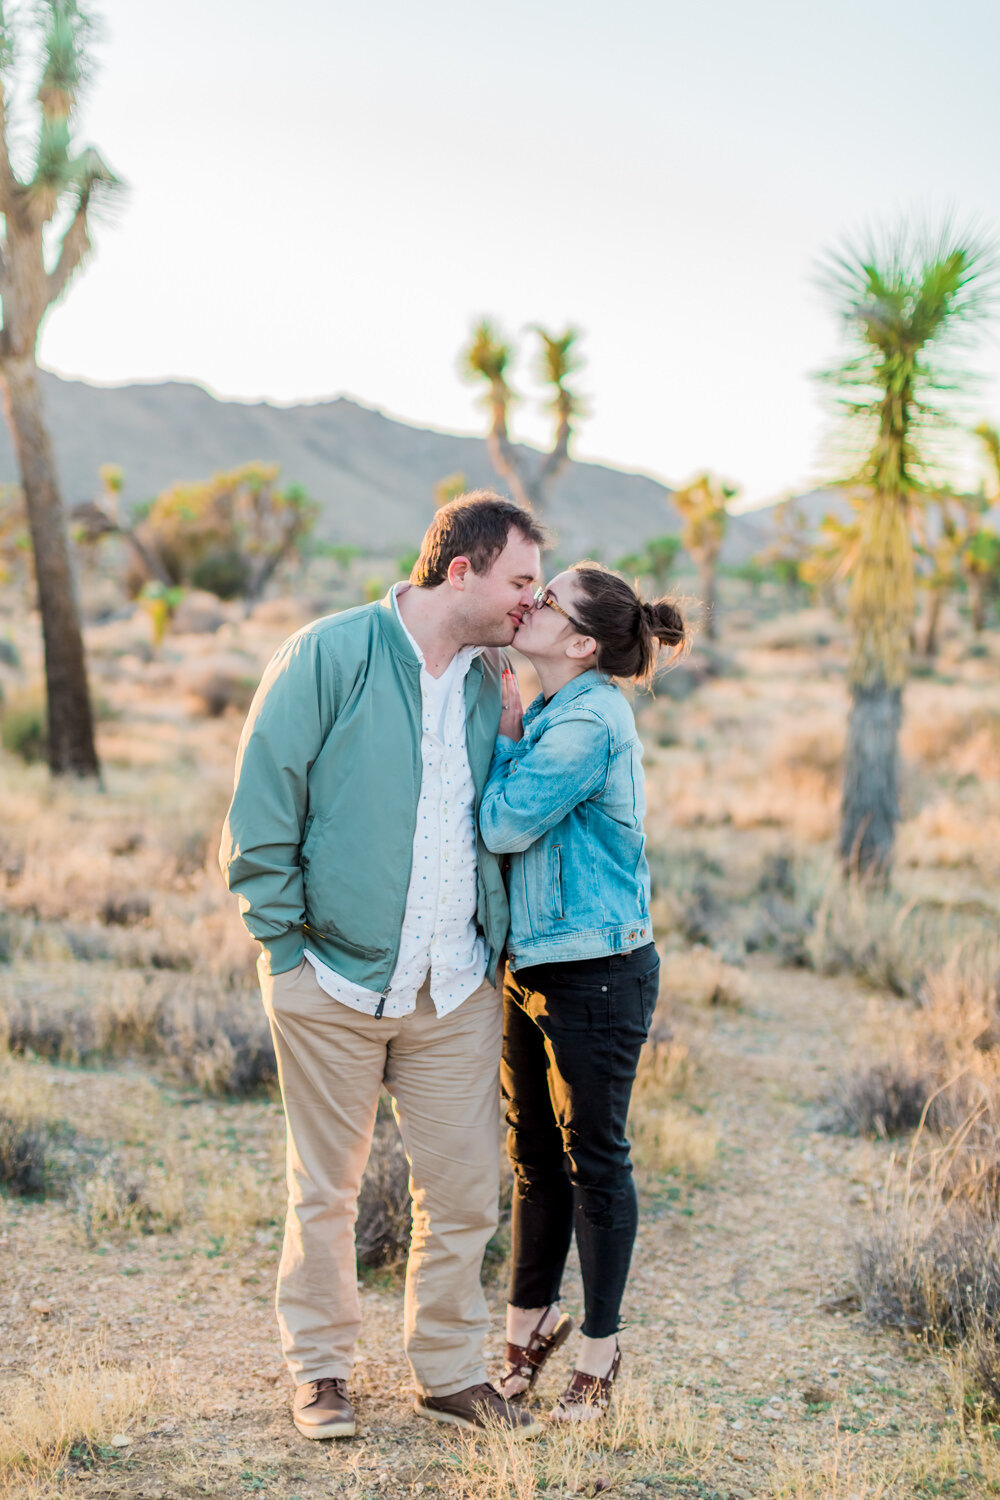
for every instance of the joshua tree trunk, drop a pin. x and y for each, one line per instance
(706, 585)
(929, 645)
(870, 809)
(70, 721)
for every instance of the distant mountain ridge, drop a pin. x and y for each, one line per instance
(373, 476)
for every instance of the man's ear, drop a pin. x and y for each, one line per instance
(458, 570)
(581, 646)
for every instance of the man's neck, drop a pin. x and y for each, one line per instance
(423, 618)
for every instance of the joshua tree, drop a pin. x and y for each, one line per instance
(787, 557)
(901, 305)
(487, 357)
(981, 556)
(941, 554)
(702, 506)
(656, 562)
(56, 183)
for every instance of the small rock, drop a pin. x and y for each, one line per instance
(121, 1440)
(815, 1395)
(877, 1373)
(772, 1413)
(41, 1307)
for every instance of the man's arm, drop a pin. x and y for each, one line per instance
(532, 792)
(289, 720)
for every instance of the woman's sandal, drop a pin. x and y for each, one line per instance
(525, 1360)
(592, 1392)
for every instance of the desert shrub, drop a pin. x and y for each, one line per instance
(227, 534)
(885, 1100)
(932, 1272)
(110, 1200)
(700, 977)
(23, 727)
(219, 1040)
(383, 1226)
(22, 1158)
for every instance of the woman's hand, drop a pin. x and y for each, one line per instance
(512, 712)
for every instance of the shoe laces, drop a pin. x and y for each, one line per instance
(330, 1383)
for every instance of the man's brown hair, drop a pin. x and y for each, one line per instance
(475, 526)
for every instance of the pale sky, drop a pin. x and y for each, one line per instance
(324, 196)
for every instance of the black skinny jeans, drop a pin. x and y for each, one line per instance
(571, 1041)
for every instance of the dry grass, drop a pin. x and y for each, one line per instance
(699, 977)
(649, 1434)
(84, 1403)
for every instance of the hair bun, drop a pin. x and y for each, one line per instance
(664, 621)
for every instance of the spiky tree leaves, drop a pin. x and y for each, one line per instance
(57, 184)
(487, 358)
(903, 305)
(702, 505)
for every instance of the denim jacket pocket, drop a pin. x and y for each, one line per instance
(557, 884)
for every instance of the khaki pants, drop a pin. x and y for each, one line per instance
(442, 1073)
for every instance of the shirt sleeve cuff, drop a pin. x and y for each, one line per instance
(285, 951)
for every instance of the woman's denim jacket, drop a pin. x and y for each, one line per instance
(566, 802)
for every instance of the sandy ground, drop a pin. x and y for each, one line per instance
(728, 1301)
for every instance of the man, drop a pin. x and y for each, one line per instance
(352, 841)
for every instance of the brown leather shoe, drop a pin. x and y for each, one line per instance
(478, 1406)
(321, 1410)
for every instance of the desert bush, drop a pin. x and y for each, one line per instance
(700, 977)
(22, 1158)
(217, 1039)
(111, 1201)
(225, 535)
(670, 1138)
(887, 1099)
(932, 1271)
(383, 1227)
(23, 727)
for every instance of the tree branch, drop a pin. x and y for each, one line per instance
(74, 247)
(503, 455)
(9, 185)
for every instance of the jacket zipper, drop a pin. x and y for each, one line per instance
(381, 1005)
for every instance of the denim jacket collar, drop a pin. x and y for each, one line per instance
(565, 695)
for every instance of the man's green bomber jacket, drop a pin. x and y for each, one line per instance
(318, 842)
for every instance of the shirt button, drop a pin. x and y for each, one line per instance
(604, 989)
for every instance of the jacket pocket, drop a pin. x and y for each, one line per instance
(557, 884)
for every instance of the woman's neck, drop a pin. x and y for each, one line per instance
(553, 675)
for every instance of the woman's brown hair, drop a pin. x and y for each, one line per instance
(629, 631)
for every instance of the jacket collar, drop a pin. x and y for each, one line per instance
(565, 695)
(402, 642)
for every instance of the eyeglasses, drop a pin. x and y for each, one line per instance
(545, 598)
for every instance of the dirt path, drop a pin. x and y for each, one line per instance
(725, 1307)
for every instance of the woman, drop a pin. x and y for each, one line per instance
(565, 800)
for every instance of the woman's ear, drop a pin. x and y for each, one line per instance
(581, 646)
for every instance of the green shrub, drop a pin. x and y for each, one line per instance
(23, 728)
(22, 1158)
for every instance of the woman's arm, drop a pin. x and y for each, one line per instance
(529, 793)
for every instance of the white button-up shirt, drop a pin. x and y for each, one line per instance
(439, 935)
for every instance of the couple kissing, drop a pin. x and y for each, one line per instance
(451, 897)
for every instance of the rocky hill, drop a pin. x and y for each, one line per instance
(374, 476)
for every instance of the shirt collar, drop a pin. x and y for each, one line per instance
(464, 656)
